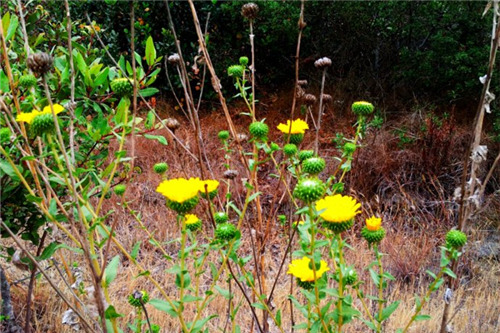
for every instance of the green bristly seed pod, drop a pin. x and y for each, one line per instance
(305, 154)
(296, 138)
(194, 226)
(338, 227)
(223, 135)
(119, 189)
(309, 190)
(42, 124)
(138, 298)
(225, 232)
(258, 130)
(274, 146)
(5, 134)
(349, 148)
(290, 149)
(221, 217)
(350, 278)
(183, 207)
(313, 165)
(362, 108)
(235, 71)
(27, 81)
(243, 61)
(160, 168)
(455, 239)
(307, 285)
(373, 236)
(122, 86)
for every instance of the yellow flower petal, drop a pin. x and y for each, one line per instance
(373, 223)
(298, 127)
(179, 189)
(27, 117)
(211, 185)
(338, 208)
(191, 219)
(57, 109)
(301, 270)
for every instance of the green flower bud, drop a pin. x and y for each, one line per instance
(137, 298)
(235, 71)
(258, 130)
(313, 165)
(183, 207)
(296, 138)
(5, 134)
(305, 154)
(309, 190)
(27, 81)
(274, 146)
(455, 239)
(338, 227)
(290, 149)
(160, 168)
(225, 231)
(43, 123)
(221, 217)
(122, 86)
(351, 277)
(349, 148)
(243, 61)
(307, 285)
(119, 189)
(223, 135)
(373, 236)
(362, 108)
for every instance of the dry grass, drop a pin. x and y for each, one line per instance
(412, 194)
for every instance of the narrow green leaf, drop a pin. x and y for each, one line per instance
(150, 52)
(389, 310)
(111, 271)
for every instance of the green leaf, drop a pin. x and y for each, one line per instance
(163, 306)
(198, 325)
(160, 138)
(369, 324)
(9, 170)
(224, 292)
(49, 251)
(191, 298)
(150, 120)
(422, 317)
(259, 306)
(4, 82)
(13, 24)
(150, 52)
(278, 317)
(111, 313)
(253, 196)
(147, 92)
(388, 311)
(449, 272)
(111, 271)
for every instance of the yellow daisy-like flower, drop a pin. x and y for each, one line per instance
(28, 117)
(338, 208)
(373, 223)
(298, 127)
(211, 185)
(300, 268)
(179, 189)
(191, 219)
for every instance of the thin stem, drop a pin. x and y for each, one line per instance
(320, 112)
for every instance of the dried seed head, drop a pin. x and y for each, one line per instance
(241, 137)
(309, 99)
(327, 98)
(174, 59)
(250, 10)
(173, 124)
(302, 83)
(322, 63)
(300, 92)
(40, 63)
(230, 174)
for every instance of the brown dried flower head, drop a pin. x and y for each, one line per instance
(300, 92)
(174, 59)
(173, 124)
(322, 63)
(327, 98)
(40, 63)
(302, 83)
(309, 99)
(250, 10)
(230, 174)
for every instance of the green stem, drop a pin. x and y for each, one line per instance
(183, 265)
(380, 288)
(341, 282)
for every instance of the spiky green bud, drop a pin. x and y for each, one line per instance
(137, 298)
(183, 207)
(307, 285)
(455, 239)
(362, 108)
(221, 217)
(296, 138)
(313, 165)
(274, 146)
(243, 61)
(258, 130)
(119, 189)
(309, 190)
(349, 148)
(373, 236)
(5, 134)
(225, 231)
(338, 227)
(43, 123)
(305, 154)
(122, 86)
(235, 71)
(160, 168)
(290, 149)
(223, 135)
(27, 81)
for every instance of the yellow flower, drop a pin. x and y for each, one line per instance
(300, 268)
(28, 117)
(191, 219)
(179, 189)
(338, 208)
(298, 127)
(212, 185)
(373, 223)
